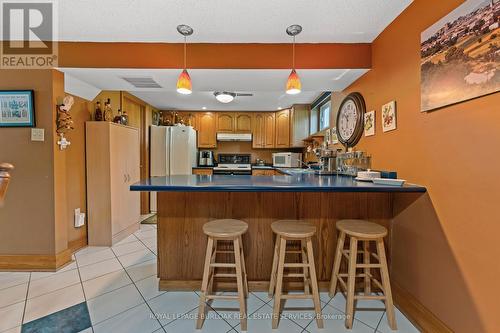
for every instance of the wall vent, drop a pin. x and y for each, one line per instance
(142, 82)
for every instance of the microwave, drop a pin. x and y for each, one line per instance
(287, 160)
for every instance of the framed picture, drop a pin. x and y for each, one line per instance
(333, 136)
(389, 116)
(460, 55)
(370, 123)
(17, 108)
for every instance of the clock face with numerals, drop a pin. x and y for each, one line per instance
(350, 119)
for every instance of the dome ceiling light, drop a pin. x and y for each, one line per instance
(293, 85)
(184, 85)
(227, 97)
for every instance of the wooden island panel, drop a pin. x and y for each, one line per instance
(181, 215)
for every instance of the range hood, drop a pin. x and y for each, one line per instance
(234, 137)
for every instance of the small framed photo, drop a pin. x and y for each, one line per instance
(333, 136)
(389, 116)
(17, 108)
(370, 123)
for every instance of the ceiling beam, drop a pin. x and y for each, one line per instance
(213, 56)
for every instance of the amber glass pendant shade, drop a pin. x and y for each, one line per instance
(184, 85)
(293, 85)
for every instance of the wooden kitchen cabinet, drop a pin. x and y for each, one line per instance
(225, 122)
(299, 125)
(198, 171)
(269, 129)
(206, 126)
(282, 129)
(243, 122)
(263, 130)
(263, 172)
(113, 164)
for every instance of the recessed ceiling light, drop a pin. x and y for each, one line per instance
(224, 96)
(204, 108)
(279, 107)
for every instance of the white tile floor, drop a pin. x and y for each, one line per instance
(119, 285)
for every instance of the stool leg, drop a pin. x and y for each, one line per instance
(305, 269)
(351, 282)
(384, 273)
(212, 269)
(336, 264)
(366, 260)
(314, 284)
(239, 281)
(204, 284)
(274, 268)
(243, 266)
(279, 283)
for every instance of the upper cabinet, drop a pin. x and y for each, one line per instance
(269, 129)
(225, 122)
(263, 130)
(299, 125)
(282, 129)
(206, 126)
(243, 122)
(258, 131)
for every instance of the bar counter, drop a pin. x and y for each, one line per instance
(185, 203)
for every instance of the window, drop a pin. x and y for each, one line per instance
(324, 115)
(320, 113)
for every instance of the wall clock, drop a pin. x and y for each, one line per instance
(350, 119)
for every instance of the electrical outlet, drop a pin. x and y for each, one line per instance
(79, 218)
(37, 134)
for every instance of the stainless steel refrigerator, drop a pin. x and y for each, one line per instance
(173, 152)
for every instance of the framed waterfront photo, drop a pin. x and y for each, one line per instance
(389, 116)
(460, 55)
(17, 108)
(370, 123)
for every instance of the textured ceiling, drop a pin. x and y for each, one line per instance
(226, 21)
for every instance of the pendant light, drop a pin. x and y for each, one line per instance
(184, 85)
(293, 85)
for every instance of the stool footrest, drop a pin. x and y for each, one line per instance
(370, 297)
(368, 265)
(224, 275)
(294, 275)
(295, 265)
(296, 296)
(221, 297)
(222, 265)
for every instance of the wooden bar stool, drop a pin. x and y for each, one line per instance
(294, 230)
(364, 232)
(224, 230)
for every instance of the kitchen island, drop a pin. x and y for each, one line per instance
(185, 203)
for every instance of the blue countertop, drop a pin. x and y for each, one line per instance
(281, 183)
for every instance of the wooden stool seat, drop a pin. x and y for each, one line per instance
(223, 232)
(362, 232)
(298, 232)
(294, 229)
(225, 228)
(362, 229)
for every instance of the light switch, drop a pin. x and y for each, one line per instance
(37, 134)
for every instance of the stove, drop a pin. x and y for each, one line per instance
(233, 164)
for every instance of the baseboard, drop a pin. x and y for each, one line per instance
(77, 244)
(416, 312)
(41, 262)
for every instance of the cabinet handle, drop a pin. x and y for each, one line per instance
(124, 178)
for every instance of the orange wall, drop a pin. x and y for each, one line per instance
(27, 219)
(76, 188)
(445, 245)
